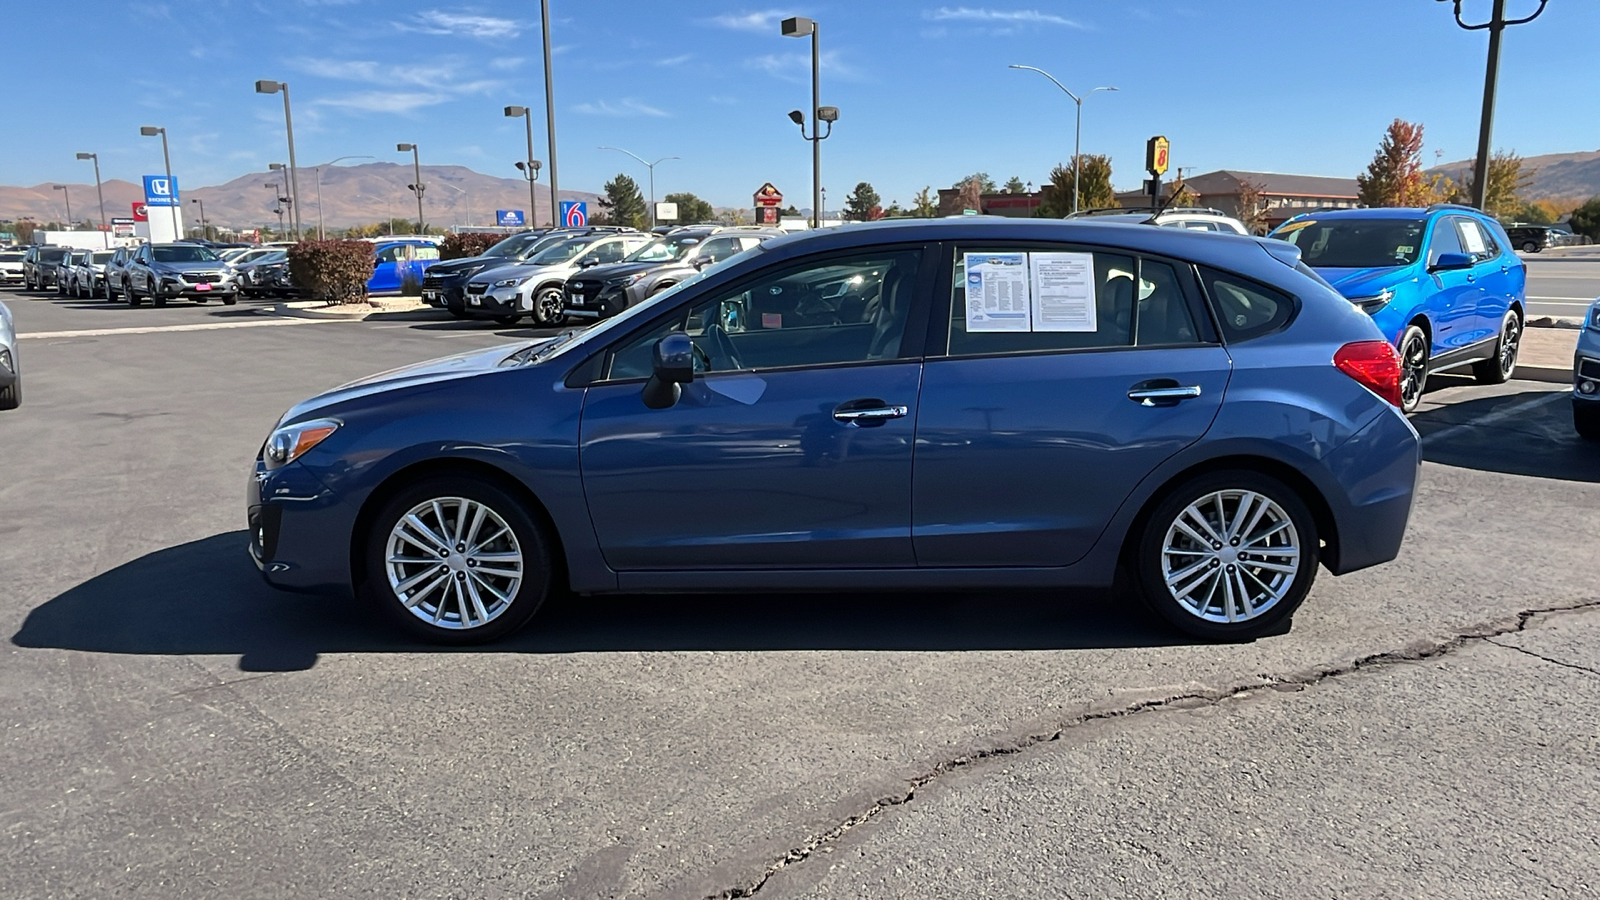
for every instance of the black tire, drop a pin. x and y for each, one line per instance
(1414, 359)
(111, 295)
(1150, 552)
(1530, 247)
(1498, 368)
(508, 320)
(133, 296)
(548, 310)
(659, 288)
(1586, 419)
(457, 313)
(534, 588)
(11, 397)
(230, 300)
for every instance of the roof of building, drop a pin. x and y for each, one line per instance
(1227, 181)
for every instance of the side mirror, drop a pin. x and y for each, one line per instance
(588, 262)
(674, 366)
(700, 262)
(1449, 261)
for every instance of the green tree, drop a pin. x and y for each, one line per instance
(1586, 219)
(691, 209)
(1056, 197)
(1016, 185)
(1507, 181)
(625, 203)
(793, 211)
(863, 204)
(1395, 177)
(925, 205)
(986, 184)
(894, 211)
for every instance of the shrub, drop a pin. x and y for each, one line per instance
(472, 243)
(410, 285)
(334, 271)
(1586, 219)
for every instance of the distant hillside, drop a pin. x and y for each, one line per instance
(351, 195)
(1559, 175)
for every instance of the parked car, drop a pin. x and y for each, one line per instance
(1194, 218)
(39, 266)
(444, 285)
(833, 410)
(11, 266)
(240, 256)
(162, 272)
(66, 268)
(10, 367)
(400, 261)
(606, 290)
(258, 277)
(1586, 377)
(1538, 238)
(533, 288)
(116, 271)
(1442, 283)
(88, 278)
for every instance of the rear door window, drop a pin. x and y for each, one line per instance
(1446, 239)
(1246, 309)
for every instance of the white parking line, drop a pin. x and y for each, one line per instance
(1583, 300)
(154, 329)
(1497, 416)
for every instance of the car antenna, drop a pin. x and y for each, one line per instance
(1163, 207)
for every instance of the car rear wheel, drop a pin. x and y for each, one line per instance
(1228, 555)
(1413, 368)
(547, 307)
(457, 560)
(1498, 368)
(133, 296)
(1530, 247)
(1586, 418)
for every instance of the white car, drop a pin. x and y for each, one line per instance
(1193, 218)
(88, 278)
(11, 266)
(533, 287)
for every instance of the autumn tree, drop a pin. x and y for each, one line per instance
(23, 230)
(1015, 185)
(986, 184)
(1395, 177)
(1181, 195)
(1252, 207)
(969, 195)
(1094, 186)
(691, 209)
(1506, 183)
(863, 204)
(925, 205)
(625, 203)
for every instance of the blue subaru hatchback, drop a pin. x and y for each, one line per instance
(1442, 283)
(961, 403)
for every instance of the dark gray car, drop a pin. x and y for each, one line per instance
(162, 272)
(603, 291)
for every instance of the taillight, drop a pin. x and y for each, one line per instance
(1374, 364)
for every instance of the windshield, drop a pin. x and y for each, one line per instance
(182, 254)
(11, 257)
(1354, 243)
(511, 246)
(52, 255)
(560, 253)
(103, 256)
(664, 250)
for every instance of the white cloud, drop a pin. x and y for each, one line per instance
(763, 21)
(675, 60)
(435, 21)
(797, 66)
(429, 83)
(997, 16)
(626, 107)
(506, 63)
(386, 101)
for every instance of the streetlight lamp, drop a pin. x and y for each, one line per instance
(273, 87)
(530, 171)
(105, 229)
(205, 231)
(288, 198)
(321, 235)
(549, 112)
(1077, 141)
(513, 112)
(417, 187)
(799, 26)
(652, 167)
(463, 193)
(172, 204)
(67, 196)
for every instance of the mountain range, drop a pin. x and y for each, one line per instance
(350, 195)
(1565, 176)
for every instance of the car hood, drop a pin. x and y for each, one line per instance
(1354, 283)
(212, 266)
(516, 270)
(433, 371)
(617, 270)
(452, 266)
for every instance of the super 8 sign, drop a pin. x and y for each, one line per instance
(1155, 155)
(574, 213)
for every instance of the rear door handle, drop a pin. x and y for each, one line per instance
(1153, 396)
(858, 413)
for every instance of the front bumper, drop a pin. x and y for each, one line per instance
(198, 291)
(1586, 367)
(299, 532)
(496, 301)
(593, 303)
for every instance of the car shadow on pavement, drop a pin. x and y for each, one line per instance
(206, 598)
(1527, 432)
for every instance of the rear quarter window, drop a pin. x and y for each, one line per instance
(1246, 309)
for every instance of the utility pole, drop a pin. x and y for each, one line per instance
(105, 229)
(550, 114)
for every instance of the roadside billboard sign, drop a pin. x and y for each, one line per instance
(159, 190)
(574, 213)
(509, 218)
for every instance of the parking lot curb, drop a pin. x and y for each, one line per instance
(352, 312)
(1542, 373)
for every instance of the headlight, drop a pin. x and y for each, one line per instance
(625, 280)
(288, 443)
(1372, 304)
(1594, 317)
(509, 282)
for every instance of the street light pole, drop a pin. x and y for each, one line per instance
(1077, 140)
(550, 113)
(417, 186)
(66, 195)
(532, 169)
(205, 233)
(464, 193)
(799, 26)
(105, 228)
(273, 87)
(322, 235)
(172, 200)
(652, 167)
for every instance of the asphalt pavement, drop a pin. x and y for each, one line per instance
(177, 729)
(1563, 282)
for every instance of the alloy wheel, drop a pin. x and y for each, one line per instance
(454, 563)
(1414, 370)
(1230, 556)
(1509, 339)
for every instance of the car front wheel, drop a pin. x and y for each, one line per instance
(457, 560)
(1498, 368)
(1228, 555)
(1530, 247)
(548, 310)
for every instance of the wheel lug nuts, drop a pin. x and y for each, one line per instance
(1235, 542)
(472, 562)
(444, 553)
(461, 548)
(1230, 568)
(461, 576)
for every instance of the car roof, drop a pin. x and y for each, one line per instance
(1386, 212)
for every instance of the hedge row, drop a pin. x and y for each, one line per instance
(335, 271)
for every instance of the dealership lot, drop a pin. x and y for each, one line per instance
(176, 727)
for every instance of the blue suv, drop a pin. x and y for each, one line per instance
(922, 405)
(1442, 283)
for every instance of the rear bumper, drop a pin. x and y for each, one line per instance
(1378, 469)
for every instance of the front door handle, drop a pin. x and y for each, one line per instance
(1164, 395)
(869, 412)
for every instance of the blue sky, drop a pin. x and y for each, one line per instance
(923, 87)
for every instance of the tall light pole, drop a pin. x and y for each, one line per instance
(464, 193)
(549, 112)
(172, 204)
(652, 167)
(322, 235)
(205, 233)
(105, 228)
(273, 87)
(417, 186)
(530, 171)
(513, 112)
(1077, 140)
(799, 26)
(66, 195)
(277, 205)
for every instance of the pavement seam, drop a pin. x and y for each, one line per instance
(1541, 656)
(1417, 651)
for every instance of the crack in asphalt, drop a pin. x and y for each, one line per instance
(1550, 660)
(1416, 651)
